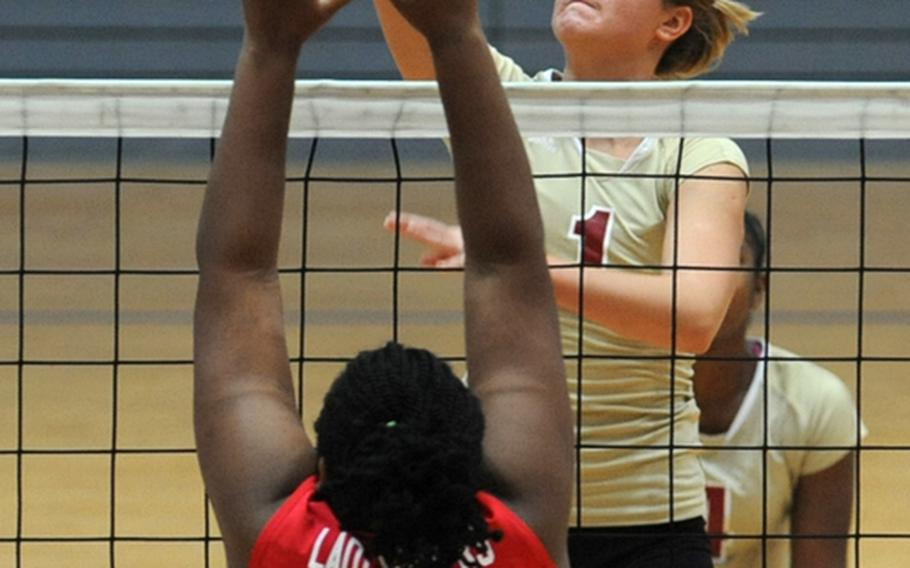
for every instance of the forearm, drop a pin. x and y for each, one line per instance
(822, 506)
(408, 46)
(491, 167)
(819, 553)
(640, 306)
(240, 223)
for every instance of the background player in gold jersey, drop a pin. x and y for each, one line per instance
(631, 508)
(810, 487)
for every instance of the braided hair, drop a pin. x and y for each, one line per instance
(401, 439)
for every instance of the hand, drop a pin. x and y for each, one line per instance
(283, 25)
(444, 243)
(440, 19)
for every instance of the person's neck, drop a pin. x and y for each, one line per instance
(580, 71)
(722, 379)
(621, 148)
(586, 67)
(592, 65)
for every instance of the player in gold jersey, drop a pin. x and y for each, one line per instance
(809, 485)
(654, 209)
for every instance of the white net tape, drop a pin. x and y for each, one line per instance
(195, 109)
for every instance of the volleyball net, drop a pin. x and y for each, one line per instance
(100, 188)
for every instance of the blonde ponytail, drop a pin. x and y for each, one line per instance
(715, 24)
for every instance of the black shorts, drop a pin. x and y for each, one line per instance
(683, 544)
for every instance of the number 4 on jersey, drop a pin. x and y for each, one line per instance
(594, 234)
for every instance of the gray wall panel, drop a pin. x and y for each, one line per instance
(796, 39)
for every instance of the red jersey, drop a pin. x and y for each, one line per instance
(304, 533)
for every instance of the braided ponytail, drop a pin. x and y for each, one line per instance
(401, 437)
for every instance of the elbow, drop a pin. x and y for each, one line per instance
(699, 316)
(243, 258)
(695, 332)
(696, 341)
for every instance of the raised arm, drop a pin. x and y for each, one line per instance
(252, 448)
(512, 335)
(408, 46)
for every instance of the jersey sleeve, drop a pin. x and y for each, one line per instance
(701, 153)
(831, 423)
(697, 154)
(507, 68)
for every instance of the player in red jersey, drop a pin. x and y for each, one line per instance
(412, 468)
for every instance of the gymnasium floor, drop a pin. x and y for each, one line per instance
(158, 506)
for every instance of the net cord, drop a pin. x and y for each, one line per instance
(375, 109)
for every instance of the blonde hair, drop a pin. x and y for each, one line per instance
(715, 24)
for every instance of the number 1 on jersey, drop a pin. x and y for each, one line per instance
(718, 513)
(593, 234)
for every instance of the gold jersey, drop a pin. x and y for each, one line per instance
(633, 398)
(809, 409)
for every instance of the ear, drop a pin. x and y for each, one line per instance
(677, 21)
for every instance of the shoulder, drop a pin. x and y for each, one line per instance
(291, 529)
(821, 416)
(519, 545)
(507, 68)
(701, 153)
(814, 409)
(805, 384)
